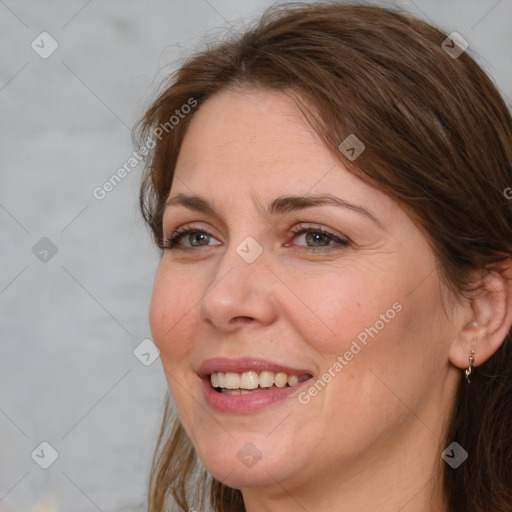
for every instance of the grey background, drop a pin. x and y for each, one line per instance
(69, 325)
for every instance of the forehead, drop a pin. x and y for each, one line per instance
(257, 143)
(248, 128)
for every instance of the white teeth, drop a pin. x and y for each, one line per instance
(281, 380)
(249, 380)
(230, 381)
(266, 379)
(293, 380)
(237, 391)
(234, 383)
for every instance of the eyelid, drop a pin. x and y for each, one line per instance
(301, 226)
(181, 232)
(340, 241)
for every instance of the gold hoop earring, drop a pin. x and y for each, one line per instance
(469, 369)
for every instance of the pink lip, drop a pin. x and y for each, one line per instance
(244, 404)
(246, 364)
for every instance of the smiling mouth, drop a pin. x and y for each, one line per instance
(245, 383)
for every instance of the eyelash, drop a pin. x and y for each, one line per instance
(172, 243)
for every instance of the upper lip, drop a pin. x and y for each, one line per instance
(246, 364)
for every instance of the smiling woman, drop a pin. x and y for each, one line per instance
(334, 300)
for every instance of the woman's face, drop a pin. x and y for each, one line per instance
(354, 306)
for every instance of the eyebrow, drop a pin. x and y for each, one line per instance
(280, 205)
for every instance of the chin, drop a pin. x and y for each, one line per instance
(241, 463)
(236, 475)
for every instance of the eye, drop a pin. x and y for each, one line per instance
(319, 237)
(195, 236)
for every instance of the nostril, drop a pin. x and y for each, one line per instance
(243, 318)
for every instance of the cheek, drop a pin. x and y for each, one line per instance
(168, 315)
(379, 328)
(389, 350)
(346, 305)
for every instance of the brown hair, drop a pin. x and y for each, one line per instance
(438, 139)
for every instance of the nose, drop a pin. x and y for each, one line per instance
(240, 292)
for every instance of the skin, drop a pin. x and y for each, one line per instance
(372, 438)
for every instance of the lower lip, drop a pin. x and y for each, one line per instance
(244, 404)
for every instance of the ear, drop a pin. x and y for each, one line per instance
(490, 317)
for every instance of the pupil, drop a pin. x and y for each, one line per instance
(317, 237)
(199, 235)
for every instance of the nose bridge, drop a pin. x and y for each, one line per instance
(243, 266)
(245, 253)
(240, 286)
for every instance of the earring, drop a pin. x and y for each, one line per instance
(469, 369)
